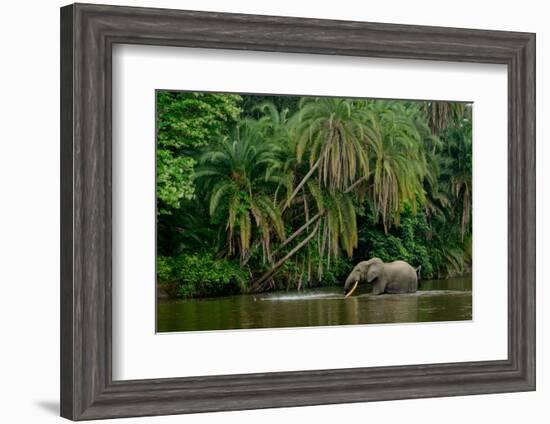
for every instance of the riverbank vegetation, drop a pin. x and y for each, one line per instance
(259, 193)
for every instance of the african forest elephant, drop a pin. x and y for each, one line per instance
(391, 277)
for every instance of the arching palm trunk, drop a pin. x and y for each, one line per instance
(258, 283)
(302, 183)
(297, 232)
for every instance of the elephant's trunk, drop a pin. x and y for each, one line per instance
(351, 283)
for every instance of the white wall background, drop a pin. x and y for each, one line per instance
(29, 224)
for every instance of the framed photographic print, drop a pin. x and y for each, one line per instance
(251, 233)
(268, 211)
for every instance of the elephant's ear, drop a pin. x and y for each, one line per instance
(374, 271)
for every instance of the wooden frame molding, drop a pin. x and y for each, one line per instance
(88, 33)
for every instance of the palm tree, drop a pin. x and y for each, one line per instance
(458, 170)
(449, 201)
(339, 135)
(331, 228)
(332, 133)
(237, 174)
(399, 164)
(441, 114)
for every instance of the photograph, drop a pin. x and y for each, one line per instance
(255, 212)
(277, 211)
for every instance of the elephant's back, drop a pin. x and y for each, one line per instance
(404, 277)
(405, 266)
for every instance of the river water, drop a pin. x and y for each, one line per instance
(436, 300)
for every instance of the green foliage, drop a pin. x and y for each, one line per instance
(408, 242)
(198, 275)
(399, 159)
(191, 120)
(164, 269)
(236, 173)
(174, 180)
(189, 229)
(185, 123)
(337, 272)
(270, 192)
(303, 271)
(251, 105)
(334, 135)
(387, 247)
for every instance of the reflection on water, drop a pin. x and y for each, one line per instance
(436, 300)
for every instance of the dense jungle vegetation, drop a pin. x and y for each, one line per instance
(259, 193)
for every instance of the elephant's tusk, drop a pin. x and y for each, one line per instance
(353, 289)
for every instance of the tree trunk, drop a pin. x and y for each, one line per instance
(355, 184)
(280, 263)
(297, 233)
(299, 187)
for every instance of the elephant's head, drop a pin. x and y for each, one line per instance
(363, 271)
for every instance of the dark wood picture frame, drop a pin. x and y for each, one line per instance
(88, 33)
